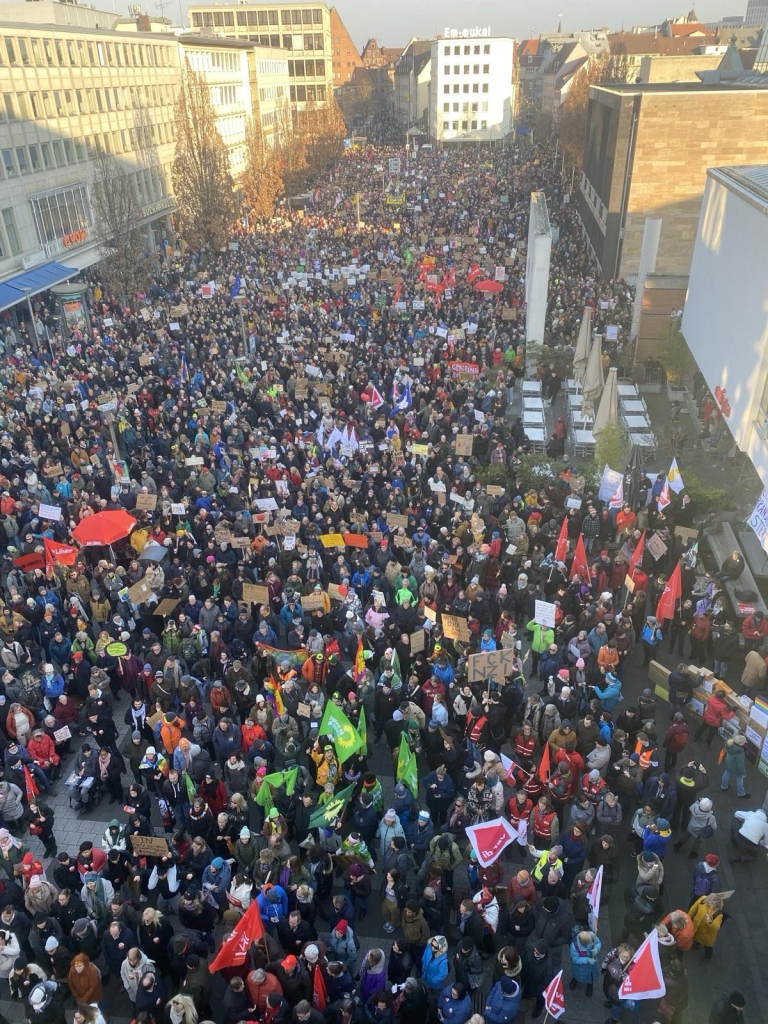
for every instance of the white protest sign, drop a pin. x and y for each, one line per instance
(609, 483)
(758, 520)
(52, 512)
(544, 614)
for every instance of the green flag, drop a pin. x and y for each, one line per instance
(362, 731)
(334, 809)
(290, 779)
(408, 257)
(344, 735)
(407, 770)
(264, 797)
(190, 787)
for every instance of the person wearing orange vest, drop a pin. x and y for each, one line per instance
(169, 731)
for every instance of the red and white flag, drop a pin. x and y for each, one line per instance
(561, 549)
(554, 997)
(55, 551)
(594, 894)
(644, 978)
(509, 768)
(490, 838)
(664, 498)
(319, 989)
(234, 952)
(371, 394)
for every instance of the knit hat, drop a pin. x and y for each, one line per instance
(37, 996)
(740, 741)
(648, 856)
(705, 804)
(391, 814)
(342, 926)
(135, 735)
(217, 863)
(508, 986)
(311, 953)
(424, 815)
(712, 860)
(245, 832)
(662, 824)
(51, 944)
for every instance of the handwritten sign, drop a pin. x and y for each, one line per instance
(332, 540)
(146, 502)
(396, 520)
(417, 641)
(656, 546)
(463, 444)
(219, 406)
(62, 735)
(255, 594)
(311, 602)
(51, 512)
(140, 591)
(355, 540)
(194, 460)
(495, 490)
(456, 628)
(490, 665)
(149, 846)
(544, 614)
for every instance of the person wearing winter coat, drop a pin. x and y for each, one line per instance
(84, 980)
(503, 1002)
(702, 825)
(716, 711)
(45, 1004)
(552, 923)
(454, 1004)
(613, 967)
(752, 834)
(608, 815)
(707, 916)
(610, 694)
(389, 828)
(373, 973)
(118, 940)
(535, 973)
(468, 965)
(585, 960)
(735, 765)
(675, 740)
(434, 963)
(342, 945)
(706, 878)
(133, 969)
(9, 951)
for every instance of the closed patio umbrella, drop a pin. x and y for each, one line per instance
(608, 410)
(593, 378)
(583, 345)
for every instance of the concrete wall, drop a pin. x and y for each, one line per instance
(728, 275)
(679, 136)
(677, 69)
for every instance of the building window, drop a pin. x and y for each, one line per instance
(485, 87)
(447, 51)
(12, 234)
(62, 214)
(465, 87)
(487, 48)
(475, 87)
(10, 50)
(447, 69)
(474, 125)
(476, 50)
(483, 124)
(455, 108)
(455, 126)
(445, 126)
(455, 88)
(10, 166)
(456, 51)
(466, 69)
(456, 69)
(486, 69)
(11, 111)
(464, 125)
(446, 88)
(34, 157)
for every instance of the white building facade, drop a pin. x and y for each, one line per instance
(728, 275)
(472, 89)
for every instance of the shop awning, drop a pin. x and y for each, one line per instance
(32, 282)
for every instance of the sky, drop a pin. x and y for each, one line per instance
(393, 22)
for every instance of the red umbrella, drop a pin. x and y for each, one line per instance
(489, 286)
(104, 528)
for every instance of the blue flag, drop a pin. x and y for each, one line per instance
(401, 400)
(235, 290)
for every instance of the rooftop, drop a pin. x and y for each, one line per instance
(750, 181)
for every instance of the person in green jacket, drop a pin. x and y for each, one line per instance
(735, 764)
(543, 636)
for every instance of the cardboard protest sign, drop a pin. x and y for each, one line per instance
(255, 594)
(417, 641)
(312, 601)
(146, 502)
(149, 846)
(337, 592)
(396, 520)
(544, 613)
(490, 664)
(456, 628)
(166, 606)
(356, 540)
(140, 591)
(463, 444)
(332, 540)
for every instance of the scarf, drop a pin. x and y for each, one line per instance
(176, 1014)
(104, 767)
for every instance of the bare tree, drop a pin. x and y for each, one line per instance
(262, 183)
(201, 179)
(573, 113)
(125, 264)
(291, 146)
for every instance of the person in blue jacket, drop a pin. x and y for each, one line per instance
(51, 683)
(610, 695)
(434, 963)
(503, 1003)
(657, 837)
(273, 905)
(454, 1004)
(216, 879)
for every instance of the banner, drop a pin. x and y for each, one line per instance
(234, 952)
(759, 520)
(407, 769)
(345, 736)
(609, 483)
(644, 978)
(554, 997)
(334, 809)
(489, 839)
(593, 898)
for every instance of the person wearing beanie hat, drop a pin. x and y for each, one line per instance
(706, 877)
(702, 825)
(657, 837)
(503, 1002)
(734, 763)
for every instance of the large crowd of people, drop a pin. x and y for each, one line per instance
(258, 500)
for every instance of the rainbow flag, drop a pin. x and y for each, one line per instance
(296, 658)
(273, 689)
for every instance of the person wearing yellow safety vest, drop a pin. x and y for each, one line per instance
(546, 861)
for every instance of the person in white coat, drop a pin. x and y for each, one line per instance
(133, 969)
(752, 834)
(9, 950)
(389, 827)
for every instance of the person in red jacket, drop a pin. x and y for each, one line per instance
(42, 750)
(715, 713)
(754, 629)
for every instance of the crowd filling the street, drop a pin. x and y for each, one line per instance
(377, 716)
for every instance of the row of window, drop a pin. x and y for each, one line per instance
(44, 105)
(457, 69)
(34, 157)
(213, 60)
(457, 50)
(476, 87)
(302, 93)
(273, 41)
(273, 92)
(225, 95)
(306, 68)
(22, 51)
(465, 125)
(465, 108)
(272, 67)
(226, 19)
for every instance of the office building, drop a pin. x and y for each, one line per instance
(757, 13)
(472, 90)
(413, 74)
(728, 275)
(68, 89)
(647, 149)
(302, 30)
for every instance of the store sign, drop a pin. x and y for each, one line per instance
(467, 33)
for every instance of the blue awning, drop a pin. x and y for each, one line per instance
(32, 282)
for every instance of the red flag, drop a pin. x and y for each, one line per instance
(664, 498)
(30, 785)
(673, 591)
(643, 978)
(319, 991)
(474, 272)
(562, 542)
(398, 292)
(490, 838)
(234, 952)
(544, 768)
(30, 562)
(580, 563)
(637, 556)
(63, 553)
(554, 997)
(595, 892)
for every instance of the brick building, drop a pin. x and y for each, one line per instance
(647, 149)
(345, 55)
